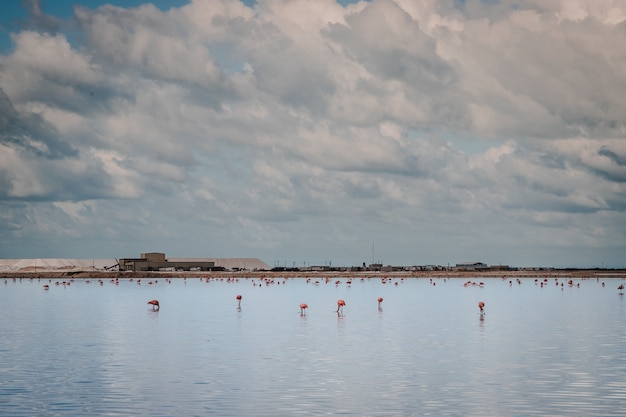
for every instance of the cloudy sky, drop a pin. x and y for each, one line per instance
(316, 132)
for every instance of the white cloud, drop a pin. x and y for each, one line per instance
(288, 129)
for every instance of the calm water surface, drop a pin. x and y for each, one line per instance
(91, 349)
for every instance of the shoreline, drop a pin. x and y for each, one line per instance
(91, 274)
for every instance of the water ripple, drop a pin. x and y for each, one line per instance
(99, 350)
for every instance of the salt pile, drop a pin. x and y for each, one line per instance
(55, 264)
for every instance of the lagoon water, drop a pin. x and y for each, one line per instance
(100, 350)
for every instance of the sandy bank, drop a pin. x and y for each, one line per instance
(560, 273)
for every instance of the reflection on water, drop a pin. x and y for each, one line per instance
(91, 349)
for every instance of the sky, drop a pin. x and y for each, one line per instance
(315, 132)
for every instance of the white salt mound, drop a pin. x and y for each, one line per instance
(54, 264)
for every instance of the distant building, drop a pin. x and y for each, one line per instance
(319, 268)
(500, 268)
(156, 261)
(391, 268)
(472, 266)
(375, 267)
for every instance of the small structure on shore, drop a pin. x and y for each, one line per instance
(156, 261)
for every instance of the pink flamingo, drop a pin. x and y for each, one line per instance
(380, 300)
(481, 306)
(155, 304)
(621, 288)
(303, 307)
(239, 297)
(340, 305)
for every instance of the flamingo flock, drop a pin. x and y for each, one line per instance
(271, 280)
(341, 303)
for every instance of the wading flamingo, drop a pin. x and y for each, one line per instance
(340, 305)
(303, 308)
(380, 300)
(621, 288)
(239, 297)
(155, 304)
(481, 306)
